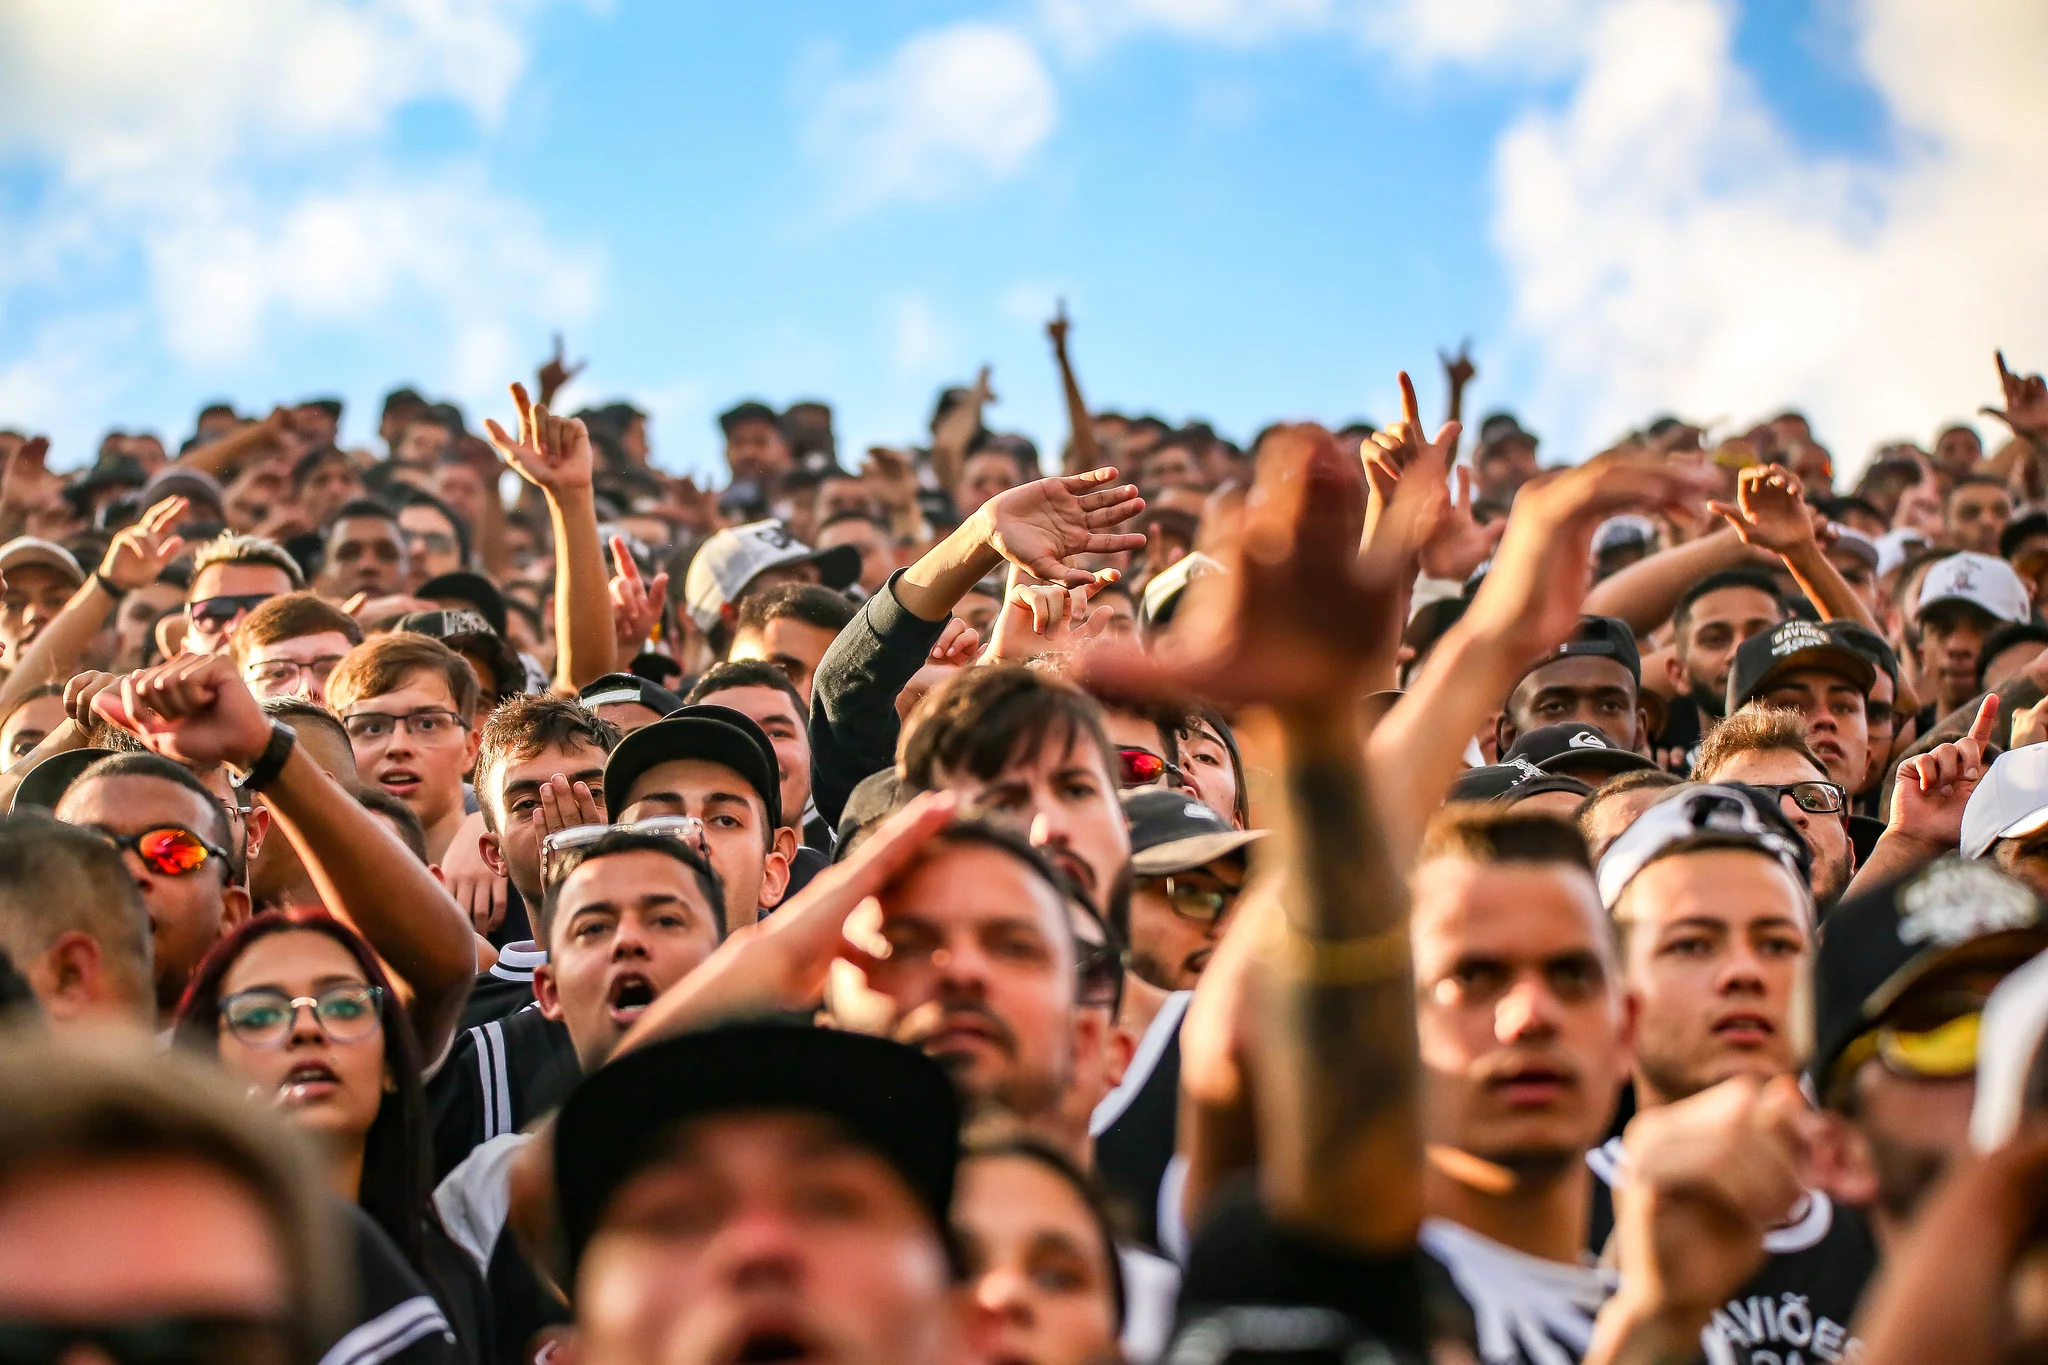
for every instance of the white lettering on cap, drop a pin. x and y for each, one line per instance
(1794, 636)
(1958, 901)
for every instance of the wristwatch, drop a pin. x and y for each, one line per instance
(271, 761)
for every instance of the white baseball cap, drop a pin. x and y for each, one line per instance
(2011, 800)
(26, 551)
(1984, 581)
(734, 557)
(1894, 545)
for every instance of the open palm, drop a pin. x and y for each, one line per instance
(552, 453)
(1038, 526)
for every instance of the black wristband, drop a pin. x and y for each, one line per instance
(107, 585)
(271, 761)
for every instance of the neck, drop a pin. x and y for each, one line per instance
(441, 833)
(1540, 1214)
(345, 1167)
(1142, 1001)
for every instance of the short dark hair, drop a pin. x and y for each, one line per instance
(1716, 582)
(1492, 833)
(57, 879)
(297, 713)
(747, 673)
(631, 841)
(311, 461)
(1975, 481)
(847, 514)
(382, 663)
(410, 831)
(161, 768)
(805, 602)
(525, 725)
(978, 721)
(363, 507)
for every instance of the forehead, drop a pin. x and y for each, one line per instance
(548, 760)
(967, 883)
(757, 703)
(227, 576)
(628, 876)
(1734, 604)
(1579, 673)
(302, 648)
(692, 779)
(1814, 681)
(135, 801)
(364, 528)
(1061, 749)
(423, 687)
(290, 957)
(1737, 886)
(420, 512)
(1774, 766)
(35, 578)
(1022, 1196)
(1512, 911)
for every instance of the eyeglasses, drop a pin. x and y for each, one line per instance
(1815, 798)
(1101, 972)
(1141, 768)
(558, 846)
(170, 850)
(374, 727)
(285, 672)
(1199, 904)
(433, 542)
(263, 1016)
(195, 1340)
(216, 614)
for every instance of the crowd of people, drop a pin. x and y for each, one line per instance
(1358, 895)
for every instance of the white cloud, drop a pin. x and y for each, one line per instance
(1669, 247)
(952, 109)
(1085, 26)
(230, 154)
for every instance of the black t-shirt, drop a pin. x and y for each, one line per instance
(395, 1317)
(498, 1077)
(1799, 1303)
(1135, 1125)
(1864, 833)
(1677, 745)
(807, 863)
(1254, 1291)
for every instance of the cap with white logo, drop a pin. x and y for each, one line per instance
(2012, 800)
(1791, 647)
(1986, 582)
(1574, 748)
(732, 558)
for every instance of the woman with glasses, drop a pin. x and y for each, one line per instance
(297, 1005)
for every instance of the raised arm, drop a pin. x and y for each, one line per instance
(1083, 454)
(134, 559)
(1458, 372)
(1646, 592)
(197, 710)
(554, 455)
(956, 431)
(1770, 512)
(1295, 626)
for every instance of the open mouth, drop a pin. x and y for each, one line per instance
(771, 1346)
(629, 997)
(307, 1082)
(398, 781)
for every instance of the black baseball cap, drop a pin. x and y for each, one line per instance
(1510, 782)
(1767, 655)
(471, 588)
(1599, 637)
(1878, 945)
(874, 798)
(1574, 745)
(1502, 426)
(1172, 832)
(1869, 644)
(752, 410)
(467, 632)
(889, 1098)
(716, 734)
(2019, 530)
(45, 784)
(613, 688)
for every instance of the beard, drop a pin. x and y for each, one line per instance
(1905, 1174)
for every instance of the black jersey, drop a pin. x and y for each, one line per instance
(1134, 1126)
(498, 1077)
(395, 1317)
(1800, 1300)
(506, 988)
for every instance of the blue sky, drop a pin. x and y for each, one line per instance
(1255, 208)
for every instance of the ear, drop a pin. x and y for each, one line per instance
(1674, 674)
(474, 741)
(1118, 1048)
(234, 908)
(1842, 1164)
(775, 875)
(1503, 736)
(255, 828)
(547, 993)
(170, 634)
(493, 850)
(67, 979)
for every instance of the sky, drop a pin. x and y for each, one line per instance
(1253, 209)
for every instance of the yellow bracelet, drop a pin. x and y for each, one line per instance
(1347, 961)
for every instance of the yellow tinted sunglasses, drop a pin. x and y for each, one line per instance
(1943, 1052)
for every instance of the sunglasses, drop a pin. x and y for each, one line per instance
(215, 614)
(1199, 904)
(554, 849)
(1945, 1049)
(1815, 798)
(195, 1340)
(1101, 971)
(263, 1016)
(170, 850)
(1142, 768)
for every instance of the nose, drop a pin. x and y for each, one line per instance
(1005, 1293)
(1742, 973)
(1049, 827)
(1793, 812)
(756, 1248)
(628, 941)
(305, 1028)
(1527, 1013)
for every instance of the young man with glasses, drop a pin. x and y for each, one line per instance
(1187, 868)
(409, 704)
(1766, 748)
(290, 645)
(231, 577)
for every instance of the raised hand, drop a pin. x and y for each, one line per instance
(636, 603)
(552, 453)
(140, 552)
(84, 689)
(556, 372)
(1458, 369)
(1057, 329)
(1046, 618)
(194, 710)
(1932, 789)
(1458, 544)
(1769, 510)
(2026, 403)
(1390, 453)
(1299, 617)
(1038, 526)
(565, 805)
(26, 481)
(958, 645)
